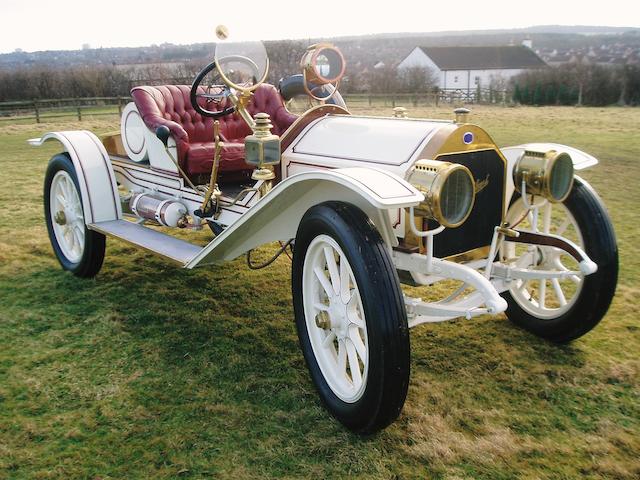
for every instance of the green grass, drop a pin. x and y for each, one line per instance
(149, 371)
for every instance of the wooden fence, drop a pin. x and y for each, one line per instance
(81, 108)
(43, 110)
(484, 96)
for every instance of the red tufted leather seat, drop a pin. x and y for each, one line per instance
(169, 105)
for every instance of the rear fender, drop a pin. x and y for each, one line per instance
(277, 215)
(96, 179)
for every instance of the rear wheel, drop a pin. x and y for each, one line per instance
(562, 310)
(78, 249)
(350, 317)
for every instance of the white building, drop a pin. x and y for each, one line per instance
(467, 68)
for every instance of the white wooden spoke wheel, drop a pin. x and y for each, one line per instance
(562, 309)
(350, 316)
(78, 249)
(334, 318)
(544, 298)
(68, 220)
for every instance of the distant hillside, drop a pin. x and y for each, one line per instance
(362, 52)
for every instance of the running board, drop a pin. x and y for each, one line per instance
(156, 242)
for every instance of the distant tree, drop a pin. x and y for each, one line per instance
(631, 76)
(574, 84)
(284, 58)
(538, 98)
(385, 79)
(417, 79)
(550, 95)
(564, 97)
(526, 95)
(517, 94)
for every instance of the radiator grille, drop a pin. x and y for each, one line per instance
(488, 169)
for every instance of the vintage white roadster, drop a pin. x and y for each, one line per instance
(361, 201)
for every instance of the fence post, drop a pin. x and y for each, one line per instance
(369, 100)
(120, 106)
(37, 110)
(393, 100)
(79, 114)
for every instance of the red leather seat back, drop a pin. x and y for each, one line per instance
(170, 105)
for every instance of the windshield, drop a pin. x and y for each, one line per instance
(243, 65)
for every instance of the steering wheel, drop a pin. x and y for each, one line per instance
(221, 89)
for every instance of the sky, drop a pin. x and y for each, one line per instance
(33, 25)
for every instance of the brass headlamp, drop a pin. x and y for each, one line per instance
(322, 64)
(549, 174)
(448, 188)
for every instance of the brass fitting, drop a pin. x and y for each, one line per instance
(60, 218)
(323, 321)
(400, 112)
(462, 115)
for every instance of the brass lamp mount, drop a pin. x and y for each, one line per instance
(262, 149)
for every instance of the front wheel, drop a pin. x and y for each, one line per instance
(350, 317)
(564, 309)
(78, 249)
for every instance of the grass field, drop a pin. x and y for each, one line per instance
(149, 371)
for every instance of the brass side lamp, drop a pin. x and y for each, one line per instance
(262, 149)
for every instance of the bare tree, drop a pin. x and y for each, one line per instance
(417, 79)
(284, 58)
(384, 79)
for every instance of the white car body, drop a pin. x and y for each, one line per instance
(365, 161)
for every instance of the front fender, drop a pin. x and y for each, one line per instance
(98, 188)
(277, 215)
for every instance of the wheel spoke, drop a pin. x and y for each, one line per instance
(68, 236)
(342, 357)
(79, 228)
(575, 279)
(345, 280)
(546, 218)
(559, 293)
(542, 293)
(333, 268)
(328, 340)
(534, 218)
(354, 366)
(324, 281)
(354, 335)
(525, 260)
(563, 226)
(352, 310)
(77, 209)
(321, 306)
(525, 291)
(68, 192)
(77, 241)
(60, 193)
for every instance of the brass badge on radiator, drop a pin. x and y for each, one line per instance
(481, 184)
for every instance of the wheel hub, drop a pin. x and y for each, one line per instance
(338, 317)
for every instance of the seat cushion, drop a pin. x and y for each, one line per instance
(199, 157)
(170, 106)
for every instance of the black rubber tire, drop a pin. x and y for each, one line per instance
(384, 311)
(598, 288)
(94, 246)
